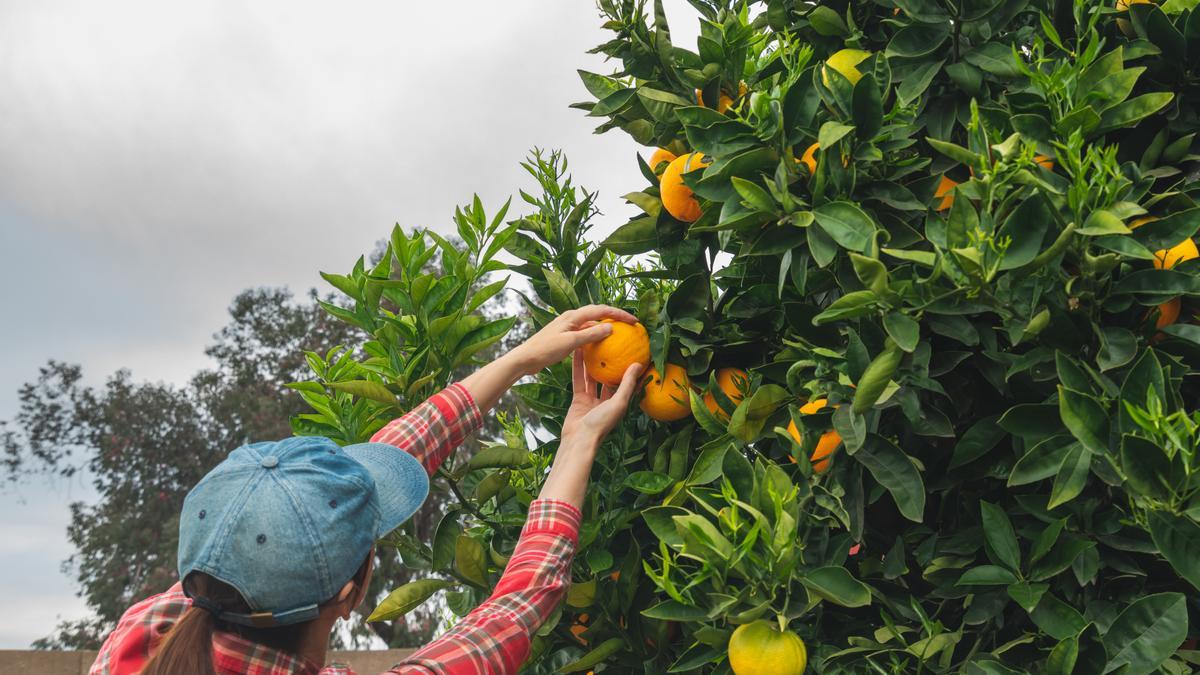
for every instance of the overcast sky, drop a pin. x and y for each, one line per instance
(158, 157)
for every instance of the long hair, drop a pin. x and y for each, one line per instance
(188, 646)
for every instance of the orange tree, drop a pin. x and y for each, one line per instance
(947, 244)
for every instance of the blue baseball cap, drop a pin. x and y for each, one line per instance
(288, 523)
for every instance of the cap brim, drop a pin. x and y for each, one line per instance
(400, 481)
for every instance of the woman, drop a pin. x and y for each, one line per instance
(276, 543)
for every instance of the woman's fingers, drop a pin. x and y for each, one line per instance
(594, 333)
(597, 312)
(629, 383)
(578, 372)
(606, 392)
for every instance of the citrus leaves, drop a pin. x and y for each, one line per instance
(838, 586)
(846, 224)
(1146, 633)
(407, 598)
(893, 469)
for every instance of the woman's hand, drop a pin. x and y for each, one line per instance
(566, 333)
(591, 416)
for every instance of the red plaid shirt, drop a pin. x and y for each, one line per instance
(493, 639)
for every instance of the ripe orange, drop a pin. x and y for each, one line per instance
(809, 158)
(1044, 162)
(1184, 250)
(828, 442)
(579, 627)
(733, 382)
(677, 198)
(660, 155)
(607, 360)
(945, 193)
(1168, 313)
(665, 398)
(760, 648)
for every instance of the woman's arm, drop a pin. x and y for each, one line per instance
(432, 430)
(495, 638)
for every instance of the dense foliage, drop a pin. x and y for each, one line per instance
(970, 267)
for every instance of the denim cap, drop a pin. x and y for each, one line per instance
(288, 523)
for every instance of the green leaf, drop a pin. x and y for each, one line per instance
(445, 540)
(999, 538)
(598, 655)
(850, 305)
(470, 560)
(893, 469)
(826, 21)
(661, 521)
(1178, 539)
(753, 196)
(1147, 468)
(846, 224)
(876, 377)
(708, 465)
(751, 415)
(1146, 633)
(1056, 618)
(1027, 595)
(837, 585)
(499, 456)
(649, 482)
(987, 575)
(976, 442)
(1084, 418)
(366, 389)
(1130, 112)
(636, 236)
(670, 610)
(407, 598)
(1102, 222)
(903, 329)
(1071, 478)
(1062, 658)
(917, 40)
(994, 57)
(1043, 460)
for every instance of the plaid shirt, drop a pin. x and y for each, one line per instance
(493, 639)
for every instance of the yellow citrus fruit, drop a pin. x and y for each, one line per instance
(733, 382)
(844, 62)
(809, 158)
(827, 443)
(677, 198)
(1168, 313)
(1184, 250)
(760, 648)
(665, 397)
(1124, 24)
(660, 155)
(607, 360)
(945, 192)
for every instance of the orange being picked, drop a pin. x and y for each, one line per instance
(945, 192)
(760, 648)
(809, 158)
(733, 382)
(607, 360)
(827, 443)
(660, 155)
(677, 198)
(665, 397)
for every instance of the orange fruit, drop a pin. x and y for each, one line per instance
(607, 360)
(1169, 257)
(579, 627)
(828, 442)
(1184, 250)
(1044, 162)
(809, 158)
(660, 155)
(760, 648)
(733, 382)
(665, 397)
(1168, 313)
(945, 193)
(677, 198)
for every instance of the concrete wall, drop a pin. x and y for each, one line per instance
(23, 662)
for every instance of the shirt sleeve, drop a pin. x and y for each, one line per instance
(495, 638)
(432, 430)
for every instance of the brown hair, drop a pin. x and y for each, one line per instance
(188, 645)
